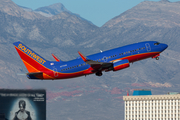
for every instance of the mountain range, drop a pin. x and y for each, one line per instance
(54, 29)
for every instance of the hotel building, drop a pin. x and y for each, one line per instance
(152, 107)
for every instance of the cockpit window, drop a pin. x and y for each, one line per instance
(157, 43)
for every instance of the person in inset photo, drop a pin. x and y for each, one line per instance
(22, 114)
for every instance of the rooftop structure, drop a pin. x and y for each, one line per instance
(142, 92)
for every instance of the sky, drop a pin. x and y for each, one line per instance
(97, 11)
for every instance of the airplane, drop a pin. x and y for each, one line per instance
(104, 61)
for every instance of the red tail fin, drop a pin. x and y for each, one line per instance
(34, 63)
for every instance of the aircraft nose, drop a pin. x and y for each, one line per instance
(164, 46)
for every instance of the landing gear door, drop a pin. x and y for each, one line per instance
(148, 47)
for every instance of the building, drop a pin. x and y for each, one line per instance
(152, 107)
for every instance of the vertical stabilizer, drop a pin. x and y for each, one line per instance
(32, 61)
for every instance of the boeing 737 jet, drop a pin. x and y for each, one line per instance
(111, 60)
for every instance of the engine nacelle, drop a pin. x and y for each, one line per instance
(120, 65)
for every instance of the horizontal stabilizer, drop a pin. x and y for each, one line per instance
(83, 57)
(55, 57)
(35, 75)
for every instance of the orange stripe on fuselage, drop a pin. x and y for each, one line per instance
(45, 76)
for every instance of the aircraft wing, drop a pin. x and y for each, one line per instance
(96, 65)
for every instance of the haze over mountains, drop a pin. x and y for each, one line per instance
(56, 30)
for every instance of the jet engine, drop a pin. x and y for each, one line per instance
(120, 65)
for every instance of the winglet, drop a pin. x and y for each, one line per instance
(83, 57)
(55, 57)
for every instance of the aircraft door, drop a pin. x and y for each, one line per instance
(55, 72)
(105, 59)
(148, 47)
